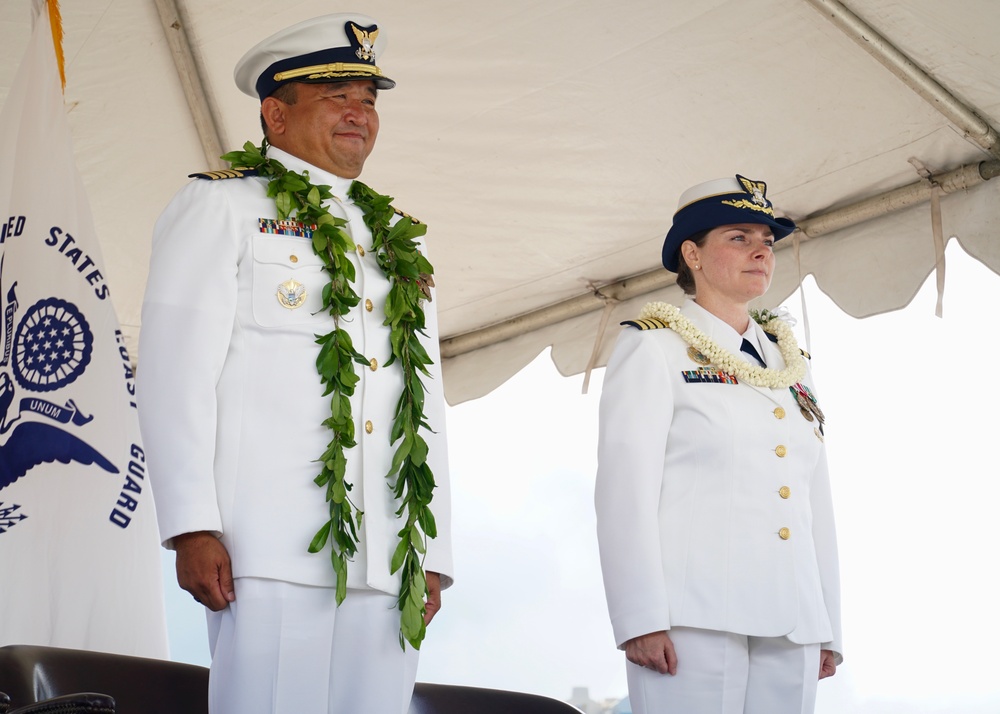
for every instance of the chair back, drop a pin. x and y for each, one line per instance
(30, 673)
(138, 685)
(451, 699)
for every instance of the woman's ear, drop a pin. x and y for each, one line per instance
(690, 254)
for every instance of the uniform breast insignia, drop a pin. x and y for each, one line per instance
(292, 294)
(224, 174)
(697, 356)
(649, 323)
(709, 376)
(285, 228)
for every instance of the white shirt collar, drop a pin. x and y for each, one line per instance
(716, 329)
(339, 187)
(721, 332)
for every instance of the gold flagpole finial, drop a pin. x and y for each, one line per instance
(55, 21)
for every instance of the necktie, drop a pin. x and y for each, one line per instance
(749, 349)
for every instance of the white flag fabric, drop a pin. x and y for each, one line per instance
(79, 551)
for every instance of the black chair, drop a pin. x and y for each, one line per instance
(82, 703)
(451, 699)
(137, 685)
(33, 676)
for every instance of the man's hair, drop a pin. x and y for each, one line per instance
(287, 93)
(685, 278)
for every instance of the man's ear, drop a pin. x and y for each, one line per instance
(273, 111)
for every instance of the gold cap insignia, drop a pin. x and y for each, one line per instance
(756, 189)
(366, 40)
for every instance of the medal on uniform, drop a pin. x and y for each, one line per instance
(698, 357)
(807, 403)
(291, 294)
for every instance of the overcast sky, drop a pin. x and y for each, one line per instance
(911, 404)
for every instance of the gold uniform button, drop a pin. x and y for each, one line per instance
(784, 534)
(369, 306)
(780, 450)
(294, 258)
(361, 251)
(779, 413)
(373, 364)
(369, 427)
(784, 492)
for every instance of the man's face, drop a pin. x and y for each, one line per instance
(332, 126)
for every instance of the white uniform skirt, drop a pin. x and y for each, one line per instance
(284, 648)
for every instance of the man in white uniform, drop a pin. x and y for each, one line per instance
(232, 405)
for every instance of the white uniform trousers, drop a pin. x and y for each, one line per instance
(283, 648)
(725, 673)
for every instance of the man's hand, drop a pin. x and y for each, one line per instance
(433, 603)
(827, 664)
(204, 570)
(654, 651)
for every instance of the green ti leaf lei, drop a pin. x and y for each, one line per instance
(409, 274)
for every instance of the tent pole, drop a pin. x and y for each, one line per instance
(938, 96)
(960, 179)
(191, 82)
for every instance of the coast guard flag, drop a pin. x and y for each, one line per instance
(79, 551)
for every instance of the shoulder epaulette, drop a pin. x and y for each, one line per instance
(224, 174)
(774, 339)
(404, 215)
(649, 323)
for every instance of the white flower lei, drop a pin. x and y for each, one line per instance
(795, 364)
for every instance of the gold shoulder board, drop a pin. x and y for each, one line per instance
(650, 323)
(405, 215)
(224, 174)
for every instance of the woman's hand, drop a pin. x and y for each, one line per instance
(827, 664)
(654, 651)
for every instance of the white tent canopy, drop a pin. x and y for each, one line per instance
(545, 143)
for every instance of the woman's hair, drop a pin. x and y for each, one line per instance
(685, 278)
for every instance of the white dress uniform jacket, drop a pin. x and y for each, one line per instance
(696, 481)
(230, 402)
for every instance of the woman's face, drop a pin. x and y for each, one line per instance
(735, 263)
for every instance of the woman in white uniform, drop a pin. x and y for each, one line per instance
(714, 513)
